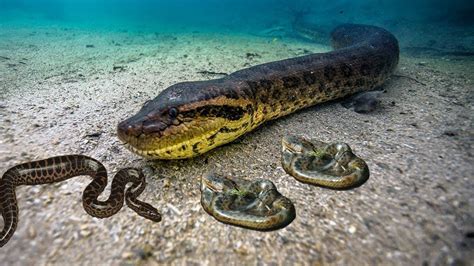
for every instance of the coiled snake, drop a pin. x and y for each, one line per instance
(56, 169)
(314, 162)
(190, 118)
(256, 205)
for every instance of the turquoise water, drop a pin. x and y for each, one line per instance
(71, 70)
(227, 15)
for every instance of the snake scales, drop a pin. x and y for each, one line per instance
(60, 168)
(190, 118)
(255, 204)
(314, 162)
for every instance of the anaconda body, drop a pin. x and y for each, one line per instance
(60, 168)
(190, 118)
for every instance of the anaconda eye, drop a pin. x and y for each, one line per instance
(173, 112)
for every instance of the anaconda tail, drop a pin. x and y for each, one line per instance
(9, 210)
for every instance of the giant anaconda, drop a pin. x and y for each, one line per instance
(190, 118)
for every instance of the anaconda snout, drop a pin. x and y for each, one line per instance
(145, 123)
(186, 120)
(151, 122)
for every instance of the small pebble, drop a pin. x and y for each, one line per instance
(31, 232)
(85, 232)
(352, 229)
(127, 255)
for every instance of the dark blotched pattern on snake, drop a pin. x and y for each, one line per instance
(255, 204)
(56, 169)
(190, 118)
(332, 165)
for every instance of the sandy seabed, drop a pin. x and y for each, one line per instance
(63, 91)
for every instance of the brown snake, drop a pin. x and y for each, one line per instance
(60, 168)
(191, 118)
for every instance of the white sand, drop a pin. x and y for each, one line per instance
(417, 205)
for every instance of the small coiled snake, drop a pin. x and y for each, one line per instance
(60, 168)
(314, 162)
(255, 204)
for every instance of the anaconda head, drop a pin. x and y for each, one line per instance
(185, 120)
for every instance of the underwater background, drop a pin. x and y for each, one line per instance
(71, 70)
(446, 25)
(228, 15)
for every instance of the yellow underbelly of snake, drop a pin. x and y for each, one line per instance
(191, 118)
